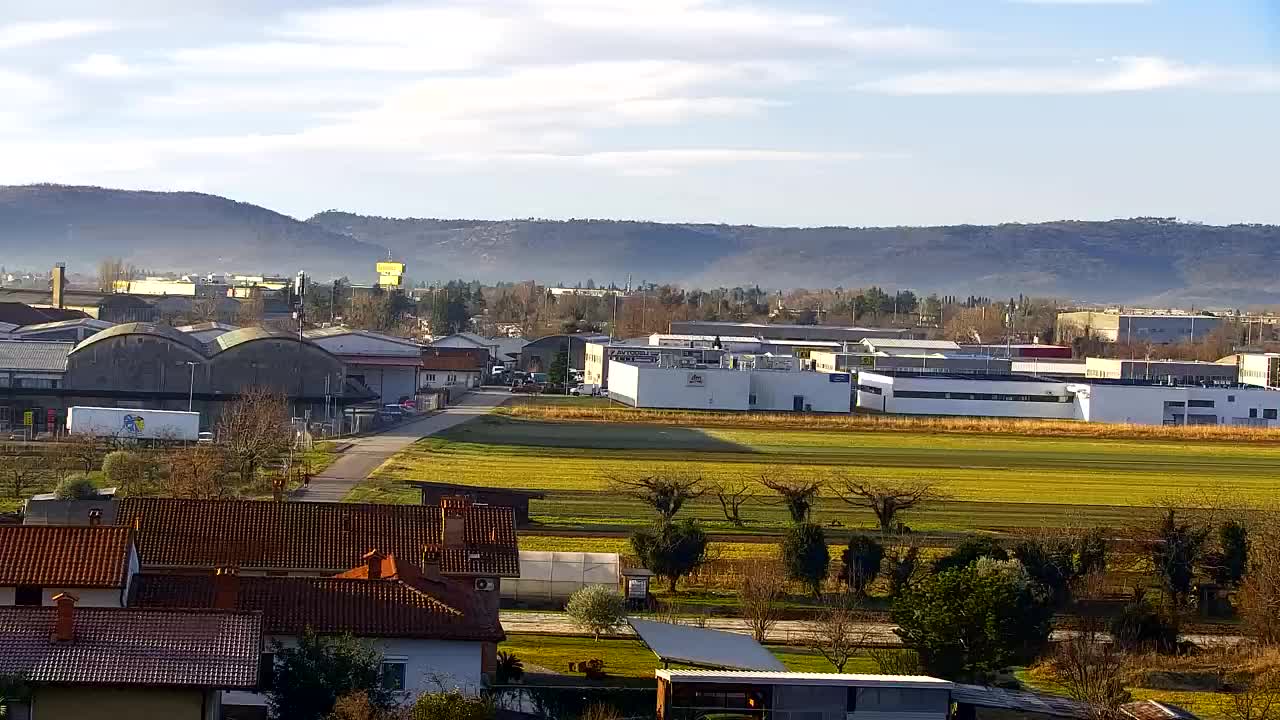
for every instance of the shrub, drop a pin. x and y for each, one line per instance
(970, 550)
(1140, 627)
(124, 469)
(862, 561)
(671, 549)
(596, 608)
(805, 555)
(510, 668)
(451, 705)
(76, 487)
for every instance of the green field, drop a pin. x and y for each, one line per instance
(627, 657)
(995, 482)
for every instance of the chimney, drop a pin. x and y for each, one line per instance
(64, 626)
(373, 563)
(226, 588)
(454, 511)
(58, 281)
(95, 517)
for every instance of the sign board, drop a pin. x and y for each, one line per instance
(635, 356)
(838, 377)
(867, 360)
(695, 379)
(28, 418)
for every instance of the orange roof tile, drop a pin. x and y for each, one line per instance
(330, 537)
(130, 646)
(64, 556)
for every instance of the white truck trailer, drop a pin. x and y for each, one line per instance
(133, 423)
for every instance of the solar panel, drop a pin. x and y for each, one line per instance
(704, 648)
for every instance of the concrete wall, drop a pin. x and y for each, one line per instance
(679, 389)
(89, 703)
(776, 390)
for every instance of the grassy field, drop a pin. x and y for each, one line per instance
(627, 657)
(994, 482)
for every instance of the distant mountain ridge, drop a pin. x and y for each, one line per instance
(1140, 260)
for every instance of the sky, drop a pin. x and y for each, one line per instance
(774, 112)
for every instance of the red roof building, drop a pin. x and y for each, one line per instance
(37, 562)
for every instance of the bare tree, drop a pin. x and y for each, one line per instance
(732, 495)
(255, 430)
(24, 470)
(896, 661)
(797, 494)
(839, 631)
(1255, 698)
(198, 472)
(887, 500)
(663, 490)
(82, 452)
(763, 590)
(1090, 669)
(1258, 601)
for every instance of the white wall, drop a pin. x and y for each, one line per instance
(774, 391)
(85, 597)
(670, 388)
(391, 383)
(455, 664)
(1145, 405)
(888, 401)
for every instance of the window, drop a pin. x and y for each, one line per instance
(28, 595)
(751, 399)
(869, 389)
(266, 671)
(1200, 403)
(1269, 414)
(1253, 412)
(393, 674)
(1231, 398)
(429, 378)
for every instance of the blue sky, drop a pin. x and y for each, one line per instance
(787, 113)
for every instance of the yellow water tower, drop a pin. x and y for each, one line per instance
(390, 275)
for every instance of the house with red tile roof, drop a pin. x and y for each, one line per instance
(430, 629)
(95, 563)
(83, 663)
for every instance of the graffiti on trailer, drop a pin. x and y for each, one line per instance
(134, 424)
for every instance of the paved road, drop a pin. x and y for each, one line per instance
(786, 632)
(367, 453)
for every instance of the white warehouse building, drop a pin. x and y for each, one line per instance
(1106, 401)
(716, 388)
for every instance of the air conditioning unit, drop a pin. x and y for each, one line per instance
(486, 584)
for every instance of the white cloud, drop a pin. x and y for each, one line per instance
(25, 34)
(1114, 75)
(102, 65)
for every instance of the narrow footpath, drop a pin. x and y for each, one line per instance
(367, 453)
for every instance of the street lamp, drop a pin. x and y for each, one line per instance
(191, 389)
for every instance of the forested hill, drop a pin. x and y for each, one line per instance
(1140, 260)
(1148, 259)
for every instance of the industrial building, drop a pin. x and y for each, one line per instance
(595, 369)
(1260, 369)
(908, 346)
(768, 331)
(1089, 400)
(1020, 351)
(1180, 372)
(917, 362)
(387, 365)
(744, 388)
(1159, 329)
(537, 356)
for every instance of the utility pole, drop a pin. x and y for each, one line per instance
(191, 388)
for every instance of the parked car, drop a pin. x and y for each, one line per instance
(205, 438)
(585, 390)
(527, 388)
